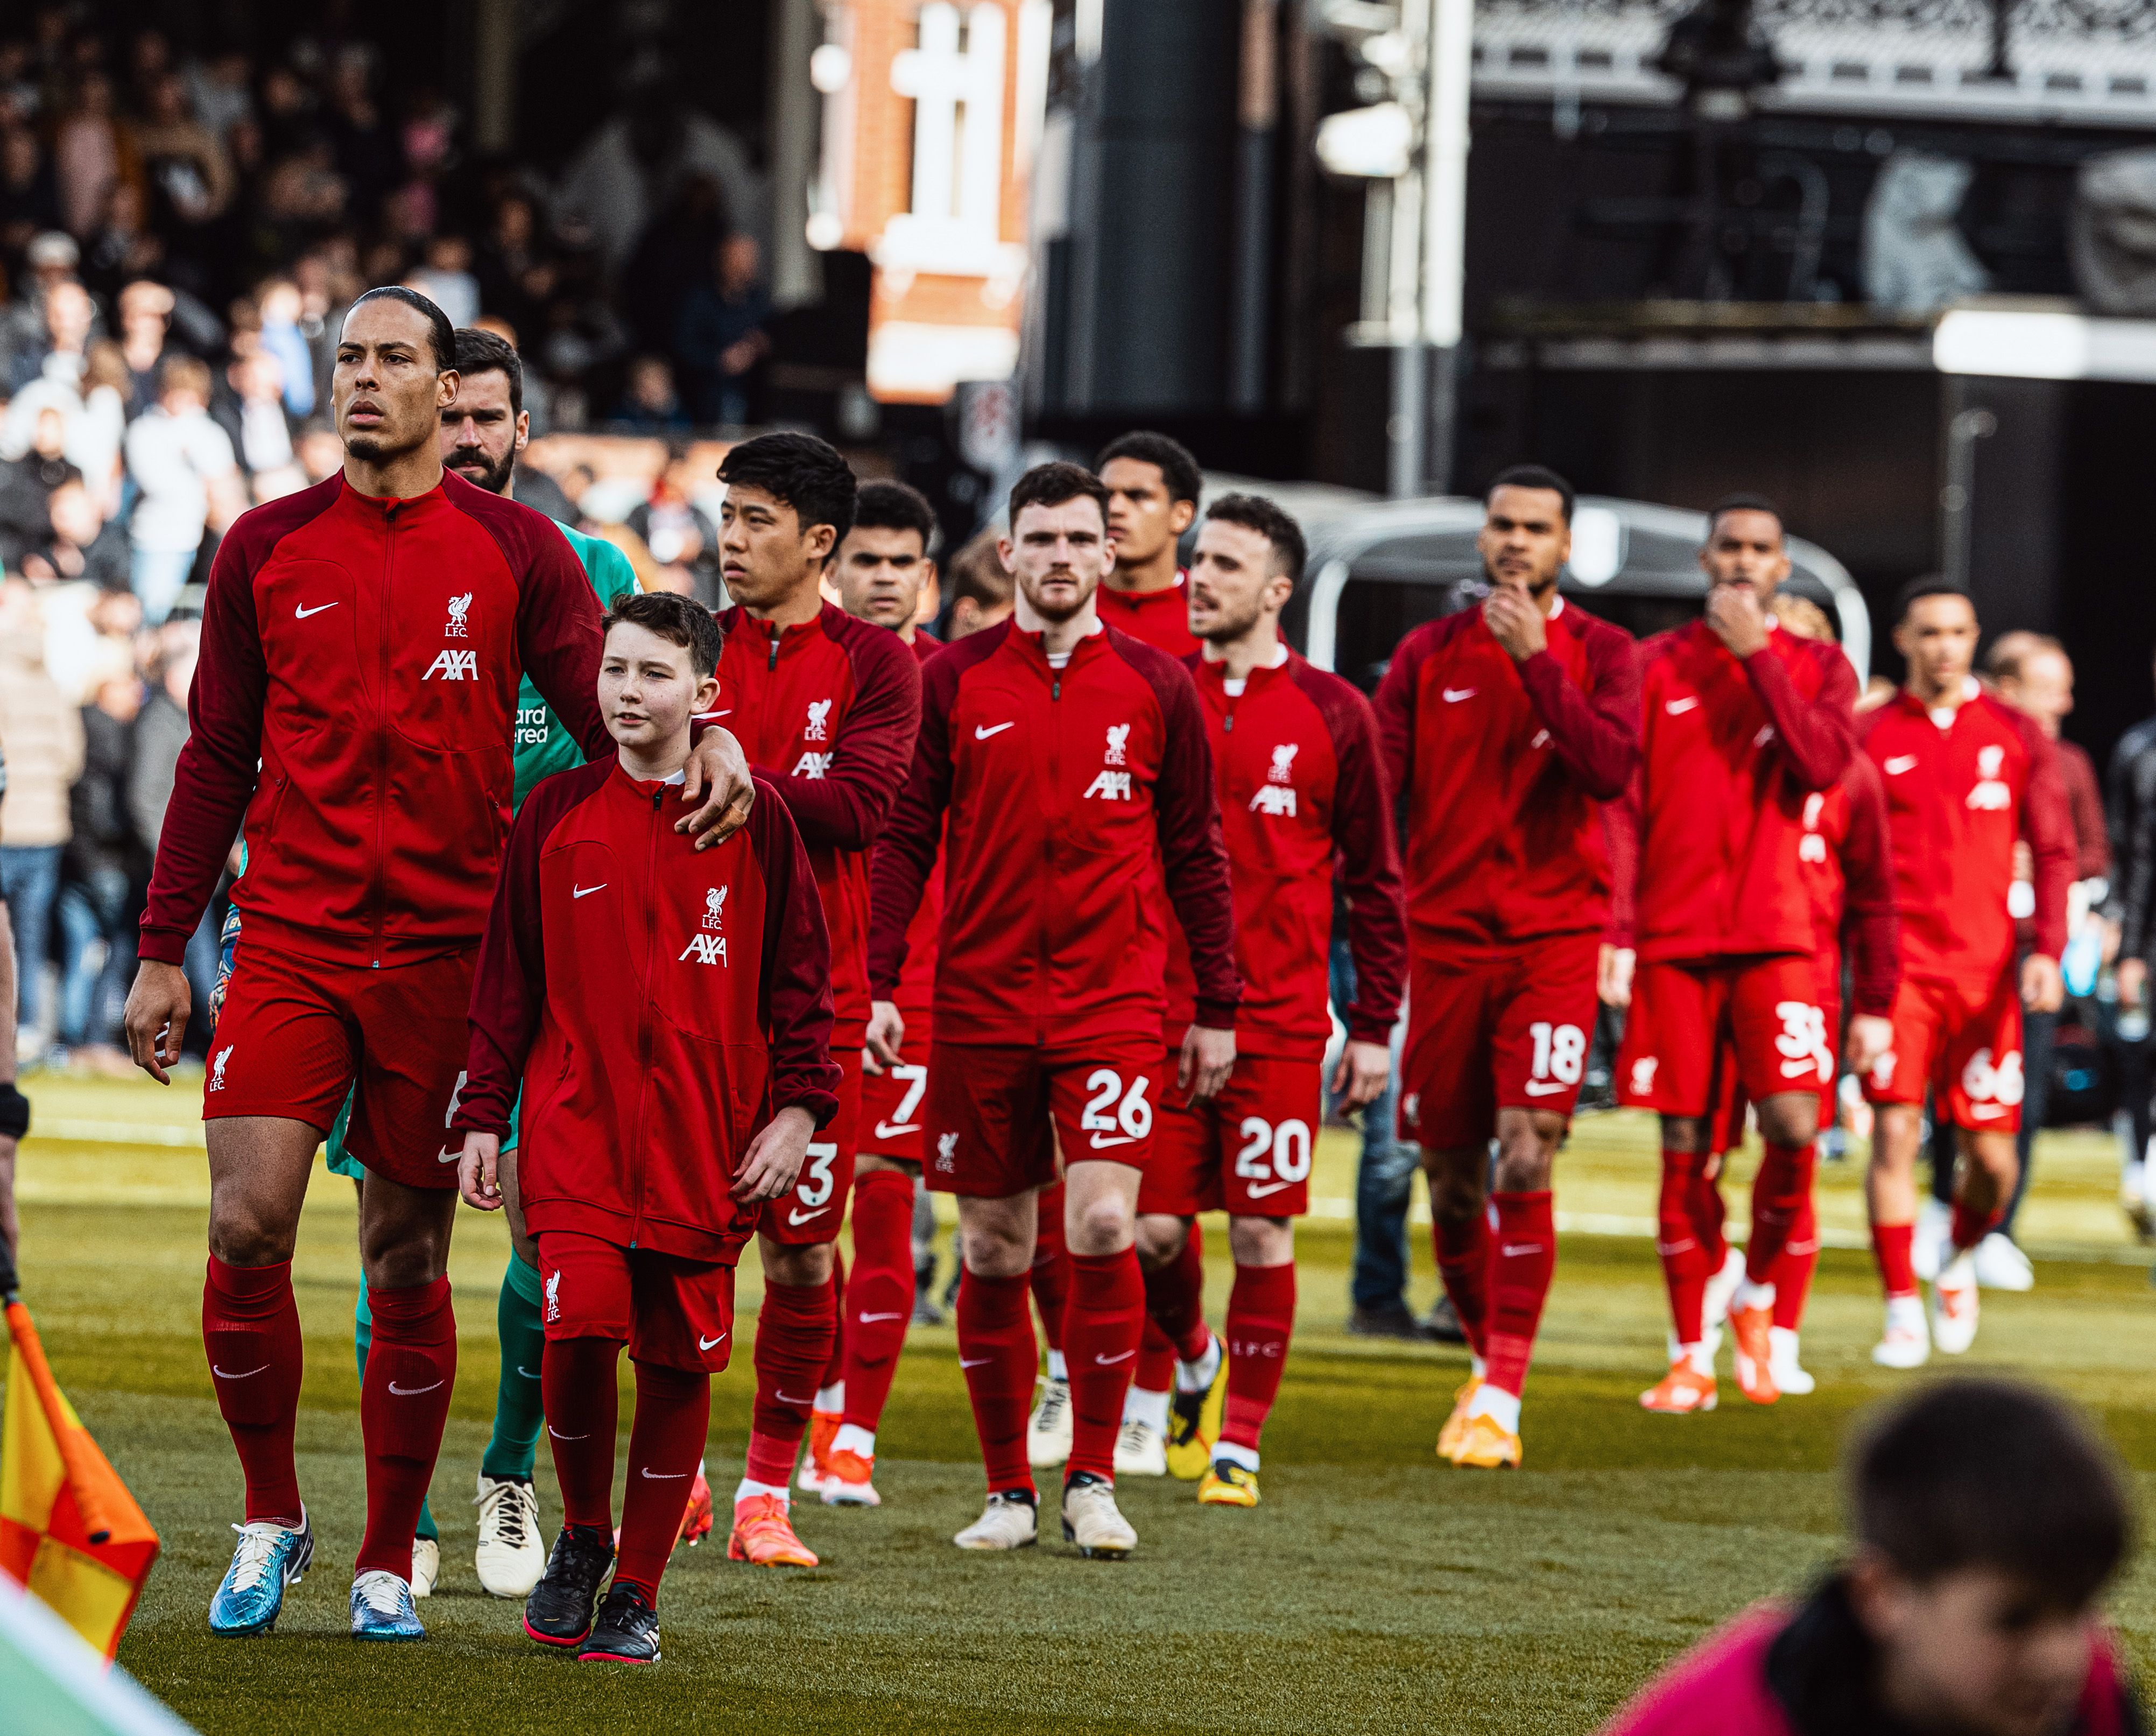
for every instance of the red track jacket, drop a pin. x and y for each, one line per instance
(828, 711)
(367, 653)
(658, 1006)
(1302, 786)
(1501, 768)
(1162, 618)
(1061, 787)
(1847, 861)
(916, 992)
(1715, 814)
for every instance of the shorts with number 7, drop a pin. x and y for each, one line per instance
(1509, 1031)
(1691, 1023)
(991, 1108)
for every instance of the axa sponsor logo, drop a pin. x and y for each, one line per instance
(1991, 795)
(818, 728)
(1109, 786)
(457, 626)
(1277, 794)
(453, 666)
(709, 945)
(813, 764)
(217, 1067)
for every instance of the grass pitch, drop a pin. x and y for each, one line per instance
(1375, 1589)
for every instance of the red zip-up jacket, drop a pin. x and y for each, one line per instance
(1501, 768)
(1715, 813)
(658, 1004)
(828, 711)
(1072, 796)
(367, 654)
(1162, 618)
(1847, 861)
(914, 994)
(1959, 794)
(1302, 788)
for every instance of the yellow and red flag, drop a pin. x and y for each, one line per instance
(70, 1531)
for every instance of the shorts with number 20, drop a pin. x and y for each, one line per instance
(1247, 1152)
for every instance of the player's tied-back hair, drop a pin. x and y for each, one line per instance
(677, 619)
(1052, 483)
(441, 335)
(800, 471)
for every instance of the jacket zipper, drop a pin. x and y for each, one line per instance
(644, 1013)
(772, 629)
(1044, 992)
(382, 737)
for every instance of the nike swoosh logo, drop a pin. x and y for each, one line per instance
(1452, 695)
(1512, 1249)
(885, 1130)
(1536, 1088)
(728, 712)
(576, 892)
(664, 1476)
(802, 1217)
(414, 1392)
(871, 1319)
(1108, 1362)
(785, 1399)
(221, 1375)
(1900, 764)
(527, 1373)
(1102, 1141)
(1985, 1109)
(1272, 1187)
(301, 615)
(447, 1157)
(996, 729)
(705, 1343)
(1678, 707)
(559, 1435)
(978, 1362)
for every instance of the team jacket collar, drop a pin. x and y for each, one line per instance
(1028, 647)
(1213, 676)
(791, 640)
(388, 510)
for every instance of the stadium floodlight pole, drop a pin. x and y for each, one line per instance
(1451, 52)
(1406, 427)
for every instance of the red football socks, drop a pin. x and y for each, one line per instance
(576, 1391)
(1175, 1302)
(1463, 1262)
(1780, 1192)
(1691, 1250)
(1890, 1247)
(1154, 1370)
(251, 1332)
(792, 1349)
(404, 1401)
(1792, 1271)
(1101, 1327)
(1522, 1257)
(835, 1367)
(672, 1411)
(1971, 1226)
(997, 1353)
(1051, 1267)
(1261, 1321)
(879, 1295)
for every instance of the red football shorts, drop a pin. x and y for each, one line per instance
(296, 1035)
(679, 1313)
(1731, 1103)
(1247, 1152)
(1507, 1033)
(1962, 1041)
(895, 1102)
(814, 1209)
(992, 1108)
(1691, 1023)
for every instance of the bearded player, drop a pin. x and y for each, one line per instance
(362, 645)
(827, 707)
(1072, 763)
(1302, 786)
(1967, 775)
(1506, 727)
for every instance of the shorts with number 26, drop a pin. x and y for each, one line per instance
(991, 1108)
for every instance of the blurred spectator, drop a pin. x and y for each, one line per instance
(251, 412)
(681, 538)
(92, 408)
(188, 176)
(672, 257)
(68, 315)
(26, 489)
(145, 320)
(720, 336)
(125, 247)
(648, 404)
(634, 163)
(320, 451)
(29, 193)
(103, 869)
(366, 151)
(184, 465)
(161, 731)
(218, 90)
(91, 153)
(41, 740)
(82, 544)
(980, 588)
(515, 278)
(446, 279)
(280, 307)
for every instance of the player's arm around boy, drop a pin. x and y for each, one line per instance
(669, 1015)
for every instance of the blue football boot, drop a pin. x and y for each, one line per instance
(268, 1558)
(382, 1608)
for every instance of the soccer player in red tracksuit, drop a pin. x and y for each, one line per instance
(1966, 775)
(1301, 782)
(827, 707)
(1073, 764)
(1506, 727)
(668, 1013)
(362, 645)
(1741, 723)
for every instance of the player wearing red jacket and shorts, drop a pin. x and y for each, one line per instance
(1742, 723)
(827, 707)
(363, 645)
(1506, 727)
(1302, 785)
(1967, 776)
(666, 1012)
(1071, 761)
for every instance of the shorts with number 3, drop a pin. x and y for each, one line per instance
(1963, 1040)
(817, 1206)
(1507, 1032)
(1247, 1152)
(991, 1108)
(1691, 1023)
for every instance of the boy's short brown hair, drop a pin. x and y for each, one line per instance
(679, 620)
